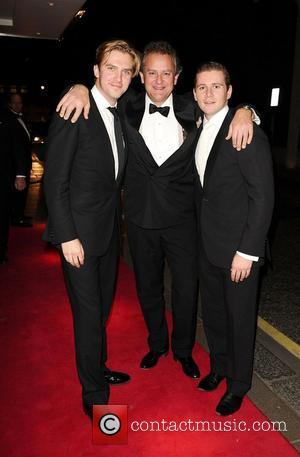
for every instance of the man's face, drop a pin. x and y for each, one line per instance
(114, 75)
(211, 92)
(16, 103)
(159, 77)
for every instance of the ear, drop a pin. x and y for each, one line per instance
(176, 79)
(142, 77)
(96, 71)
(229, 92)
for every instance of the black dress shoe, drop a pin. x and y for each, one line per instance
(116, 377)
(151, 359)
(210, 382)
(229, 404)
(189, 366)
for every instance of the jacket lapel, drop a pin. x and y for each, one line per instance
(98, 130)
(216, 147)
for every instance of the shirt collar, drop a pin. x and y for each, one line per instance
(168, 102)
(100, 100)
(217, 118)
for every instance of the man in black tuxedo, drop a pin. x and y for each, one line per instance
(235, 203)
(159, 205)
(13, 166)
(83, 171)
(21, 135)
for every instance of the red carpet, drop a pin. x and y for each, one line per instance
(41, 399)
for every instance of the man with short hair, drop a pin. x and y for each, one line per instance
(83, 171)
(22, 141)
(235, 200)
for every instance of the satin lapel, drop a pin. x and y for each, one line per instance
(184, 110)
(134, 110)
(98, 130)
(216, 147)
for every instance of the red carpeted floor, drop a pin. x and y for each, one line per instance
(41, 412)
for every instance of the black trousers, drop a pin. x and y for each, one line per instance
(5, 206)
(229, 312)
(149, 248)
(18, 203)
(91, 291)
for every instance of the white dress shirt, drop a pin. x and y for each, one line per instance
(208, 135)
(162, 135)
(108, 119)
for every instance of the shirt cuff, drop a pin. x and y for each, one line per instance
(20, 176)
(255, 117)
(248, 257)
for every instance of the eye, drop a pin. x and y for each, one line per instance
(217, 86)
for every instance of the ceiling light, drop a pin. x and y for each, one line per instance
(80, 13)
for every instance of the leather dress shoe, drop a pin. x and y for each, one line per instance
(116, 377)
(151, 359)
(189, 366)
(210, 382)
(229, 404)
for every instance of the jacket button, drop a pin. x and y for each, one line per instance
(205, 199)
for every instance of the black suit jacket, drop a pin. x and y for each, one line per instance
(82, 194)
(158, 196)
(13, 156)
(21, 140)
(236, 203)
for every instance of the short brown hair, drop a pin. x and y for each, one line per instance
(165, 48)
(118, 45)
(209, 66)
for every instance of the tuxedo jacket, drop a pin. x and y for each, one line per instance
(13, 156)
(236, 202)
(22, 142)
(81, 191)
(158, 196)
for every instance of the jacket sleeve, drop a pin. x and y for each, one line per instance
(257, 169)
(60, 150)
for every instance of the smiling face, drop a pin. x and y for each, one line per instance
(211, 92)
(159, 77)
(114, 75)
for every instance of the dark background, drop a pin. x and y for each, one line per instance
(253, 38)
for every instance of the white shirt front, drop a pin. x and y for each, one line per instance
(162, 135)
(207, 138)
(208, 135)
(108, 119)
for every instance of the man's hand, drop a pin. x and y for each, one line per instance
(76, 99)
(240, 268)
(73, 252)
(241, 129)
(20, 183)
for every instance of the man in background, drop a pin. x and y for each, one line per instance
(22, 142)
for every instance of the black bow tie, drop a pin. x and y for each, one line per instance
(163, 110)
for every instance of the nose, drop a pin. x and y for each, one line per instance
(159, 78)
(119, 75)
(209, 91)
